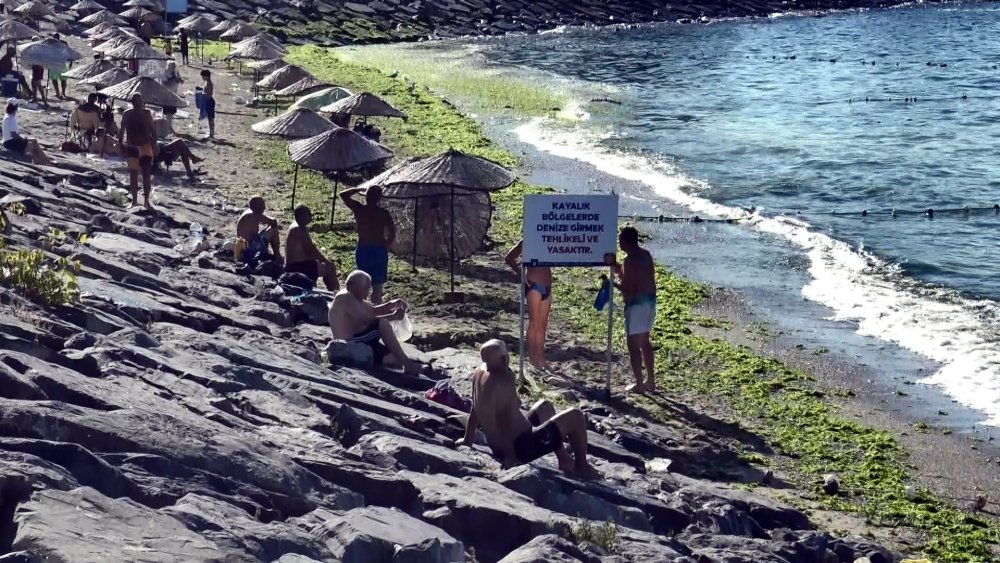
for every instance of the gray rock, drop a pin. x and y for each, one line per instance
(549, 549)
(376, 534)
(84, 526)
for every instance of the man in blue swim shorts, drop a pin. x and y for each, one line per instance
(538, 294)
(376, 232)
(256, 233)
(637, 282)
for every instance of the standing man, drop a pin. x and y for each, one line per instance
(637, 282)
(538, 293)
(302, 256)
(38, 84)
(140, 148)
(208, 101)
(184, 47)
(376, 232)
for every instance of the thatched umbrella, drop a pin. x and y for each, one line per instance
(101, 28)
(13, 31)
(364, 104)
(135, 13)
(200, 24)
(430, 237)
(136, 51)
(140, 4)
(283, 77)
(324, 97)
(115, 41)
(261, 37)
(239, 31)
(337, 150)
(153, 93)
(303, 86)
(186, 19)
(258, 49)
(104, 16)
(48, 53)
(226, 25)
(114, 33)
(295, 124)
(450, 174)
(34, 9)
(90, 69)
(86, 6)
(268, 66)
(110, 77)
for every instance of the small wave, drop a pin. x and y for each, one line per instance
(958, 333)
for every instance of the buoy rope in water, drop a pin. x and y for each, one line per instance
(669, 219)
(930, 212)
(904, 99)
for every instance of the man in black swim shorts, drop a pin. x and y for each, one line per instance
(517, 439)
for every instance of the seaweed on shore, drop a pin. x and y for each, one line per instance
(783, 405)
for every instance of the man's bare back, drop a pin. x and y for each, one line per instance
(639, 276)
(349, 315)
(248, 226)
(298, 245)
(497, 407)
(138, 127)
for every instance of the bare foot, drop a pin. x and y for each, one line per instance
(635, 388)
(586, 471)
(411, 368)
(146, 204)
(651, 385)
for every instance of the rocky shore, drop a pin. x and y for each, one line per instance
(379, 21)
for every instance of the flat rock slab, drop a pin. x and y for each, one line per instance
(376, 534)
(84, 526)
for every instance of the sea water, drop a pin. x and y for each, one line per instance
(795, 126)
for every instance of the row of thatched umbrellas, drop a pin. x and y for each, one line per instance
(450, 190)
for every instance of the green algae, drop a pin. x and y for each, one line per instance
(785, 406)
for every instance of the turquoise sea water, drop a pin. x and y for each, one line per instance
(811, 120)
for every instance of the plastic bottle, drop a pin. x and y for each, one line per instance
(195, 232)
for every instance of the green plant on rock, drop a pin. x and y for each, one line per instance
(603, 535)
(51, 282)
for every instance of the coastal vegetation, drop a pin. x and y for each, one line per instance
(808, 435)
(50, 281)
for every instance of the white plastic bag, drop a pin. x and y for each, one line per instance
(402, 328)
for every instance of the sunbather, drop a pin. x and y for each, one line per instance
(167, 153)
(252, 240)
(355, 319)
(17, 143)
(301, 254)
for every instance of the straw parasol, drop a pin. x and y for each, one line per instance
(200, 24)
(152, 92)
(106, 27)
(450, 174)
(34, 9)
(136, 51)
(261, 37)
(90, 69)
(136, 13)
(12, 30)
(86, 6)
(337, 150)
(115, 41)
(239, 31)
(303, 86)
(186, 19)
(225, 26)
(258, 50)
(104, 16)
(283, 77)
(364, 104)
(295, 124)
(266, 67)
(139, 4)
(48, 53)
(430, 237)
(324, 97)
(114, 32)
(110, 77)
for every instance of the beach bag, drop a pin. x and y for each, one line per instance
(445, 394)
(295, 284)
(70, 146)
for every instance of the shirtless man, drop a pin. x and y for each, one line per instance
(301, 254)
(376, 232)
(251, 240)
(209, 101)
(354, 319)
(514, 437)
(538, 292)
(637, 282)
(140, 149)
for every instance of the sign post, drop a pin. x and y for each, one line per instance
(569, 230)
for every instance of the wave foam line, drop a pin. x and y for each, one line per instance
(962, 335)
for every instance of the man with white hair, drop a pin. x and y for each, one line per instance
(353, 318)
(514, 437)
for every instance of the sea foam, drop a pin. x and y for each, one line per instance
(959, 334)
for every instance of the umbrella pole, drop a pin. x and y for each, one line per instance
(333, 204)
(416, 205)
(452, 240)
(295, 183)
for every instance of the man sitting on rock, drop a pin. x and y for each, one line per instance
(514, 437)
(252, 241)
(354, 319)
(301, 254)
